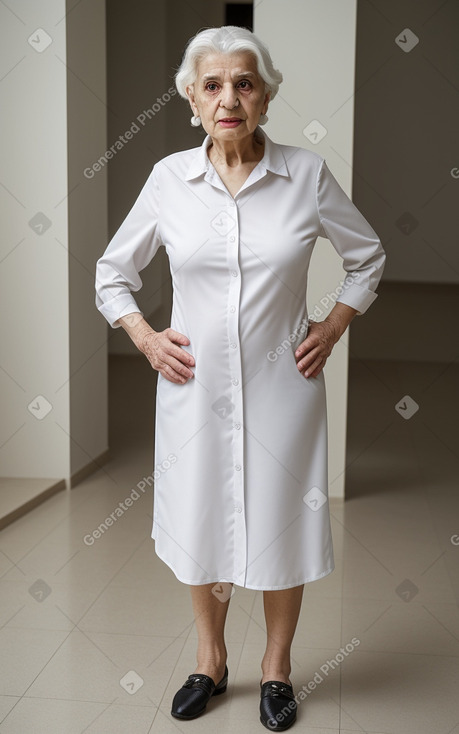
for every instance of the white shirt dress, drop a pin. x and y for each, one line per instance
(241, 448)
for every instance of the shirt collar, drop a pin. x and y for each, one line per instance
(273, 158)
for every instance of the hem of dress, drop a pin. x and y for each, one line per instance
(243, 586)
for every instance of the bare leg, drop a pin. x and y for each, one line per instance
(282, 609)
(210, 616)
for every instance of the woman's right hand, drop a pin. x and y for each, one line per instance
(162, 350)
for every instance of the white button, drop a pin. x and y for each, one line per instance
(233, 345)
(232, 309)
(235, 381)
(237, 426)
(232, 238)
(238, 467)
(238, 509)
(232, 203)
(234, 272)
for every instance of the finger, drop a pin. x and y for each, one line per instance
(180, 354)
(176, 336)
(170, 374)
(303, 348)
(313, 370)
(304, 363)
(178, 367)
(168, 344)
(311, 341)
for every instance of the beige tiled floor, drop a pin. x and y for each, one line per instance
(75, 619)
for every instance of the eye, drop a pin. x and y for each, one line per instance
(243, 84)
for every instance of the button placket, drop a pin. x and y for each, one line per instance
(234, 291)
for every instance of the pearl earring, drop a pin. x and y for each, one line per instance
(263, 119)
(195, 121)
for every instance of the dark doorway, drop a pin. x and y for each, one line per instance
(240, 14)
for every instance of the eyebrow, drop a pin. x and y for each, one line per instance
(216, 76)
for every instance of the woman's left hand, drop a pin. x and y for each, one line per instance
(313, 353)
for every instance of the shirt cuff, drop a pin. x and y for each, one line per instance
(117, 307)
(357, 297)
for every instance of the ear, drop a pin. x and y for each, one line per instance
(266, 102)
(190, 94)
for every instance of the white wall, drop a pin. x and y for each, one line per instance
(313, 45)
(51, 343)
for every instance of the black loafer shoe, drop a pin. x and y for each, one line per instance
(277, 705)
(192, 698)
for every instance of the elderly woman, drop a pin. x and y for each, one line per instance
(241, 403)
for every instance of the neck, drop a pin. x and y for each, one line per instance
(233, 153)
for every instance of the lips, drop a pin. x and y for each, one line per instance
(230, 119)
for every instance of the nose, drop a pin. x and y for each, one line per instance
(228, 96)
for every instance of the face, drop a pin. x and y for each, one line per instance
(228, 95)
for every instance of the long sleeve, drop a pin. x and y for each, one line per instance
(129, 251)
(353, 239)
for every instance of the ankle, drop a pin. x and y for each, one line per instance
(215, 656)
(276, 670)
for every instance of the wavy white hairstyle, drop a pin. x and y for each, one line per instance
(227, 39)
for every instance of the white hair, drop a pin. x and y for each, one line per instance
(227, 39)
